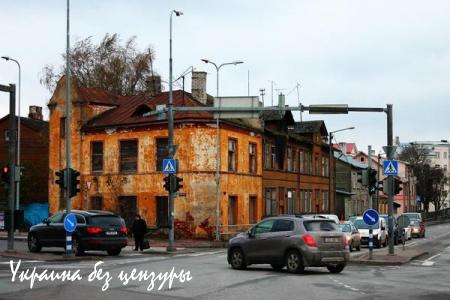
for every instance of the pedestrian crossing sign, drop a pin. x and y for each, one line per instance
(390, 167)
(169, 166)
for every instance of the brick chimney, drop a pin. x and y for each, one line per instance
(153, 85)
(35, 113)
(198, 89)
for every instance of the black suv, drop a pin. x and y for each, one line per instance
(292, 241)
(96, 230)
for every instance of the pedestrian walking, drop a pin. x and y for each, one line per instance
(139, 230)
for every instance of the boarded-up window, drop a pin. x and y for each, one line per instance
(289, 160)
(62, 128)
(161, 152)
(128, 156)
(96, 203)
(252, 210)
(232, 210)
(252, 158)
(97, 157)
(270, 200)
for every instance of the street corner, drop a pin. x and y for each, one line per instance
(385, 259)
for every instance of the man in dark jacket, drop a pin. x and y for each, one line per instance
(139, 229)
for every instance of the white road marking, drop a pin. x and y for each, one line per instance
(347, 286)
(428, 262)
(24, 261)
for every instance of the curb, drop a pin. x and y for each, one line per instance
(379, 262)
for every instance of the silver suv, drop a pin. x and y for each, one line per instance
(292, 241)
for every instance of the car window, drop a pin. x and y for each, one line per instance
(317, 225)
(360, 224)
(264, 226)
(56, 218)
(106, 221)
(283, 225)
(80, 219)
(345, 227)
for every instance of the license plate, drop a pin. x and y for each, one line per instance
(331, 240)
(111, 233)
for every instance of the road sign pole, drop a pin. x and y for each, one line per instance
(369, 152)
(390, 156)
(68, 243)
(370, 242)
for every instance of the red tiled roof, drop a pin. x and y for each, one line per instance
(97, 96)
(124, 114)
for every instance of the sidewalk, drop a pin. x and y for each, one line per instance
(383, 258)
(184, 243)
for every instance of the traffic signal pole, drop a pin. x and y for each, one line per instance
(68, 109)
(11, 160)
(390, 156)
(369, 149)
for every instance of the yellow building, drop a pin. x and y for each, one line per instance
(118, 150)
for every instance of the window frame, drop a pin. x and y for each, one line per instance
(92, 158)
(252, 164)
(164, 153)
(232, 165)
(121, 170)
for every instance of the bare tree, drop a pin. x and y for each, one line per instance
(430, 181)
(119, 69)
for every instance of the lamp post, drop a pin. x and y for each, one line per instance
(330, 159)
(218, 143)
(171, 153)
(7, 58)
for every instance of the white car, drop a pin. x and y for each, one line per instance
(330, 217)
(379, 232)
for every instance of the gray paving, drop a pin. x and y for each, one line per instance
(427, 277)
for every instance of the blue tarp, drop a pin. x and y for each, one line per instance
(34, 213)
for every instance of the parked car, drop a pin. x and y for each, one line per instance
(294, 242)
(413, 216)
(352, 234)
(96, 230)
(352, 219)
(379, 232)
(417, 228)
(408, 235)
(397, 232)
(335, 218)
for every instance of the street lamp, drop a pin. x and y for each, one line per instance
(330, 159)
(7, 58)
(207, 61)
(171, 153)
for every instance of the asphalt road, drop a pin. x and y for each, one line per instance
(211, 278)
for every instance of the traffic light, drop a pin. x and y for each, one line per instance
(363, 177)
(167, 183)
(61, 174)
(5, 174)
(74, 182)
(177, 184)
(372, 181)
(397, 186)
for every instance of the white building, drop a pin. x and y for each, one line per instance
(438, 153)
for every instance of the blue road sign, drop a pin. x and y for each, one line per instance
(169, 166)
(371, 217)
(390, 167)
(70, 223)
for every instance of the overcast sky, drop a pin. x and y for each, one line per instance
(362, 53)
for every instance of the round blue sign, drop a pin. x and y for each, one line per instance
(70, 223)
(371, 217)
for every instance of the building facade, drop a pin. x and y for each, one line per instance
(33, 156)
(119, 151)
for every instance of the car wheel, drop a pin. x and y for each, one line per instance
(114, 252)
(350, 247)
(77, 249)
(237, 259)
(277, 267)
(294, 263)
(33, 243)
(336, 269)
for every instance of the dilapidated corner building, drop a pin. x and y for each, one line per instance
(118, 150)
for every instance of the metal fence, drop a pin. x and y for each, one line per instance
(440, 215)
